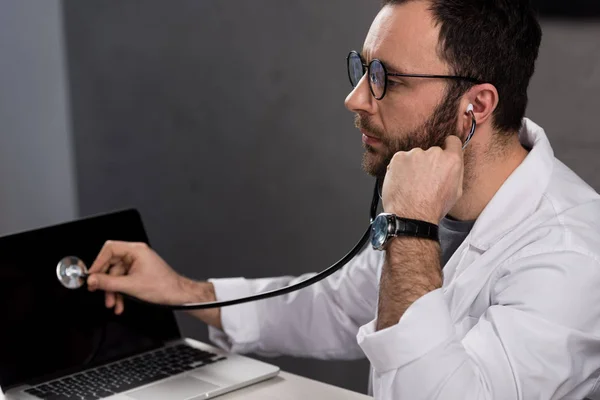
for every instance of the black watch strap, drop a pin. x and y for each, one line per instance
(414, 228)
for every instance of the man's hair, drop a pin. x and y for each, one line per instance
(495, 41)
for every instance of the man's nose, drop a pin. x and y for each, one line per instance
(360, 98)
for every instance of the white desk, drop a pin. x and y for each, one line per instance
(287, 386)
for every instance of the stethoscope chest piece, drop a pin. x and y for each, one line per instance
(71, 272)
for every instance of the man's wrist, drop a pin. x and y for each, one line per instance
(416, 215)
(191, 291)
(201, 292)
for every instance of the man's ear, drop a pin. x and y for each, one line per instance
(484, 99)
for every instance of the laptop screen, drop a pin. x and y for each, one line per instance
(47, 330)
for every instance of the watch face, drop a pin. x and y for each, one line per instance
(379, 232)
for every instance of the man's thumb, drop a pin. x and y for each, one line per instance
(105, 282)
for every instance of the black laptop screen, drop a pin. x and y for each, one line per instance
(46, 329)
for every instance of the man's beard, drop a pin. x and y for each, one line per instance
(443, 123)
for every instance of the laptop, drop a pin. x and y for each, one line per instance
(58, 343)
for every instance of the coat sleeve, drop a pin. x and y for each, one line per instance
(319, 321)
(538, 340)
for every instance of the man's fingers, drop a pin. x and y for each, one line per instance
(109, 299)
(453, 144)
(116, 270)
(120, 307)
(107, 283)
(111, 253)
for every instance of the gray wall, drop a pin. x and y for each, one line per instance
(203, 112)
(564, 94)
(37, 183)
(200, 113)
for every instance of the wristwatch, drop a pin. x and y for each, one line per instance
(388, 226)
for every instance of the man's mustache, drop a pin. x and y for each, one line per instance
(365, 126)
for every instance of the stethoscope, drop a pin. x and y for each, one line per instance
(72, 272)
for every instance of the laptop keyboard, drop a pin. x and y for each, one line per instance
(125, 375)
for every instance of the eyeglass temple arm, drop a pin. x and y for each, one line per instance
(457, 78)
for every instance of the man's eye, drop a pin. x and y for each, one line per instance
(392, 83)
(375, 79)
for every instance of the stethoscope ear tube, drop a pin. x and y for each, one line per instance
(473, 126)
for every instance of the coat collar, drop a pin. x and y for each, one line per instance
(520, 194)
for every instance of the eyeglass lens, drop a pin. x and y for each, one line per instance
(377, 77)
(377, 74)
(355, 69)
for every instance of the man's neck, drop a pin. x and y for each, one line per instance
(487, 172)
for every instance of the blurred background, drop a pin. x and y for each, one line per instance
(200, 112)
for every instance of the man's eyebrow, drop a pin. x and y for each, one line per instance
(388, 67)
(392, 69)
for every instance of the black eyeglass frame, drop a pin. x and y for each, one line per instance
(367, 70)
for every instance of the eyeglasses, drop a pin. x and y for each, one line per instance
(378, 75)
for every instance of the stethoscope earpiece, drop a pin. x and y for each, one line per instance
(470, 110)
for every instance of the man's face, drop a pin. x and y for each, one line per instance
(415, 112)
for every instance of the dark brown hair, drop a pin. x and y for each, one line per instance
(495, 41)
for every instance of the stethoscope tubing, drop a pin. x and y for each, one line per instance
(309, 281)
(297, 286)
(321, 275)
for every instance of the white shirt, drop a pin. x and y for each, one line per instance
(518, 316)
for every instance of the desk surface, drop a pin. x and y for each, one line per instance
(287, 386)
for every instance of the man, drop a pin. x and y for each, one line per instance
(506, 305)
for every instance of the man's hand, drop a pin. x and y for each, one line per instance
(136, 270)
(425, 185)
(422, 185)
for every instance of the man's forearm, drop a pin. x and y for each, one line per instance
(202, 292)
(410, 271)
